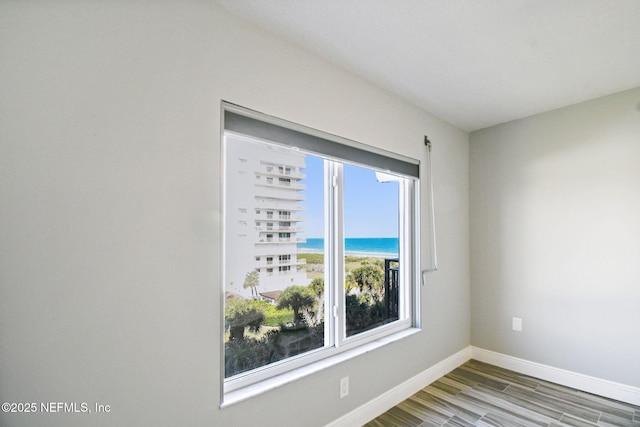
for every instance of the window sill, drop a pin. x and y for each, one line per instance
(253, 390)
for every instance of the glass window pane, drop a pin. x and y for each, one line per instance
(274, 273)
(371, 242)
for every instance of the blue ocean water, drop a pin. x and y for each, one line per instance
(384, 246)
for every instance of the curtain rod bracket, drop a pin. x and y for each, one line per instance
(427, 142)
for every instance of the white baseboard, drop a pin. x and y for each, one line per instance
(605, 388)
(391, 398)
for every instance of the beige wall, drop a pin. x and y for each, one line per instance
(555, 208)
(110, 211)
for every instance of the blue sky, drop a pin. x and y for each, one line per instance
(371, 208)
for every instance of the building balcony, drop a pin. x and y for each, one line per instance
(279, 194)
(391, 286)
(277, 204)
(275, 216)
(292, 185)
(277, 263)
(295, 229)
(282, 171)
(280, 241)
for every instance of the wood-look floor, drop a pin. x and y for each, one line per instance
(478, 394)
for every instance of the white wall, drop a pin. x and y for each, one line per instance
(555, 209)
(110, 211)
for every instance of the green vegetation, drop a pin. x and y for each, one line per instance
(317, 287)
(260, 333)
(251, 280)
(273, 315)
(312, 258)
(365, 300)
(297, 298)
(369, 278)
(240, 315)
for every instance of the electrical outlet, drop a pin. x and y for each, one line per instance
(516, 324)
(344, 387)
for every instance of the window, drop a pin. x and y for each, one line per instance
(348, 270)
(284, 237)
(284, 269)
(285, 170)
(284, 259)
(284, 214)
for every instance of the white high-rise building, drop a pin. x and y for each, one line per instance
(262, 217)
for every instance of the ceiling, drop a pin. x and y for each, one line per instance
(473, 63)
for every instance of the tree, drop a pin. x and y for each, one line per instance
(239, 314)
(252, 280)
(370, 278)
(296, 298)
(317, 287)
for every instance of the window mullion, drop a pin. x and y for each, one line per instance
(334, 251)
(337, 243)
(405, 249)
(331, 326)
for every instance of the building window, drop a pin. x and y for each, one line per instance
(284, 237)
(284, 258)
(359, 226)
(284, 170)
(284, 181)
(284, 214)
(284, 269)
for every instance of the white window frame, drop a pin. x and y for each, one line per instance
(337, 344)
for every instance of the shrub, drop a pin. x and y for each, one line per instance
(241, 314)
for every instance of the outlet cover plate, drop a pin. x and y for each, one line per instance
(344, 387)
(517, 324)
